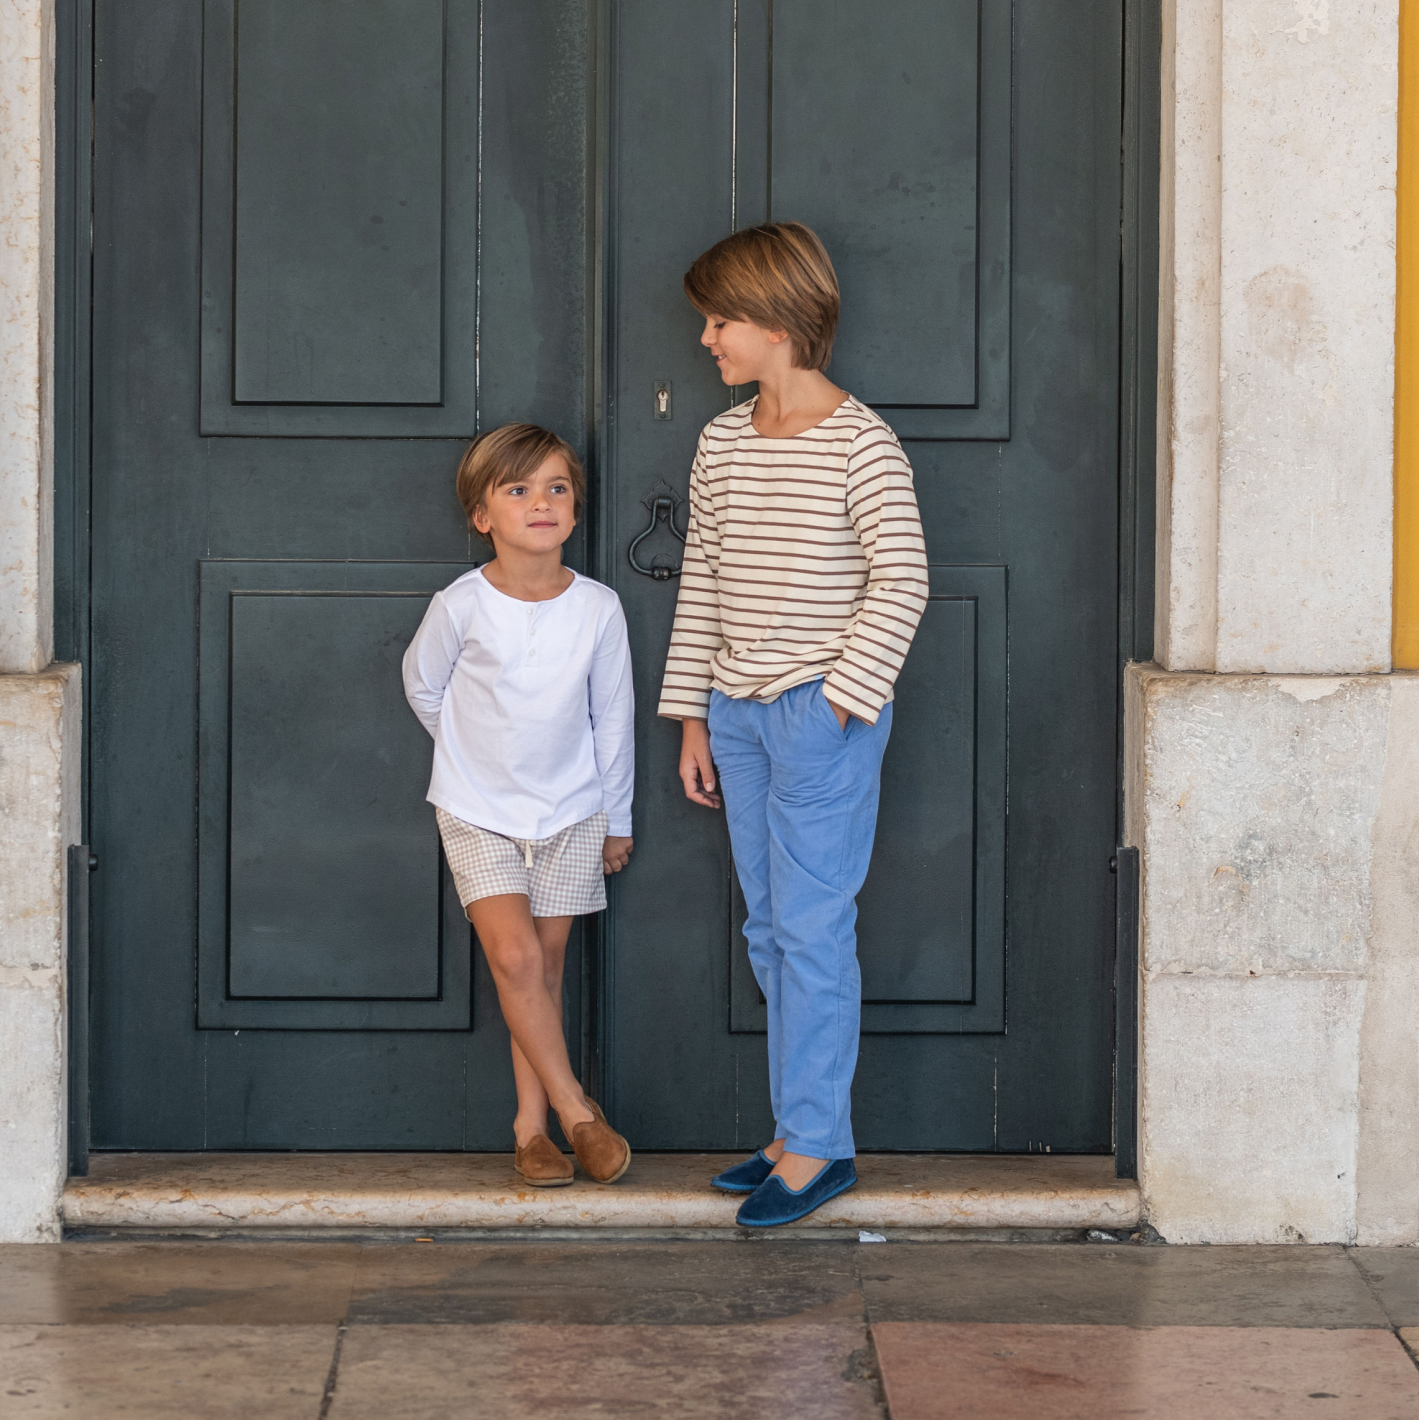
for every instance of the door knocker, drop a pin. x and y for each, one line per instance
(663, 502)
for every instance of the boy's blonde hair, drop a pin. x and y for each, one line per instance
(509, 454)
(780, 277)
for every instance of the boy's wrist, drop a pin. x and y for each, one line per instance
(854, 702)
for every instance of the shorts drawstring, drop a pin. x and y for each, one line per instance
(528, 844)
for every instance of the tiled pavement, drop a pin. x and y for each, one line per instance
(758, 1327)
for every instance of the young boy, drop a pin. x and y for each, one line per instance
(804, 579)
(521, 672)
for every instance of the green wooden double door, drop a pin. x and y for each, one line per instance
(331, 240)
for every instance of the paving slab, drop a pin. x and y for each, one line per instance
(164, 1372)
(513, 1372)
(221, 1192)
(608, 1283)
(1119, 1285)
(228, 1282)
(1393, 1273)
(984, 1371)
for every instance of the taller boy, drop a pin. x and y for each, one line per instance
(804, 579)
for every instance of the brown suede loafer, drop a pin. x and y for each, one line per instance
(542, 1164)
(601, 1152)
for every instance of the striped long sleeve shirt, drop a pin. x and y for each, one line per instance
(804, 558)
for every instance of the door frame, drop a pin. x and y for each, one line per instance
(1139, 255)
(1137, 432)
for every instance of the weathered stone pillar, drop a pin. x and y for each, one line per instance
(1272, 781)
(39, 818)
(39, 702)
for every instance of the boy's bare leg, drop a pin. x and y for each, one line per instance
(797, 1169)
(794, 1169)
(513, 947)
(532, 1104)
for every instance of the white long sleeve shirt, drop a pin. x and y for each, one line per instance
(530, 705)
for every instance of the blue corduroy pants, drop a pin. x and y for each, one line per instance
(800, 793)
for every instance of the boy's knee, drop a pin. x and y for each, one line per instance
(515, 963)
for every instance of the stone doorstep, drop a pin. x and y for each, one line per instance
(307, 1193)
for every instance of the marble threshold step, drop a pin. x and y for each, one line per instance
(969, 1194)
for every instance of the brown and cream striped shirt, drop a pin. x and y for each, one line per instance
(803, 558)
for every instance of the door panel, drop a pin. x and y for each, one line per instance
(905, 172)
(340, 217)
(857, 171)
(311, 791)
(276, 962)
(978, 251)
(338, 238)
(932, 911)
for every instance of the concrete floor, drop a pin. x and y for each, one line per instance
(758, 1327)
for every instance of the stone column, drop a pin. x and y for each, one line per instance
(39, 702)
(39, 818)
(1273, 786)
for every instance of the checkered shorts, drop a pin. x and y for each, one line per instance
(561, 875)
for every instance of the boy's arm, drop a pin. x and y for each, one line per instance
(882, 505)
(696, 635)
(429, 662)
(613, 720)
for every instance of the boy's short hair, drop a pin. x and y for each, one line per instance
(509, 454)
(780, 277)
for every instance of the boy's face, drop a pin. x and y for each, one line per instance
(535, 515)
(745, 352)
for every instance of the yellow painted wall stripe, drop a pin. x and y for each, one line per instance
(1406, 352)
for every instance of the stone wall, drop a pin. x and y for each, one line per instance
(39, 703)
(1276, 370)
(39, 799)
(1275, 809)
(1279, 1068)
(1306, 470)
(26, 335)
(1279, 1019)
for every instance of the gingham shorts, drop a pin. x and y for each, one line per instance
(561, 875)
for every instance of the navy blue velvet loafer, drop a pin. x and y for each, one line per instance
(745, 1177)
(774, 1202)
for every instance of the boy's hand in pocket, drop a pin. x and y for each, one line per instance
(615, 853)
